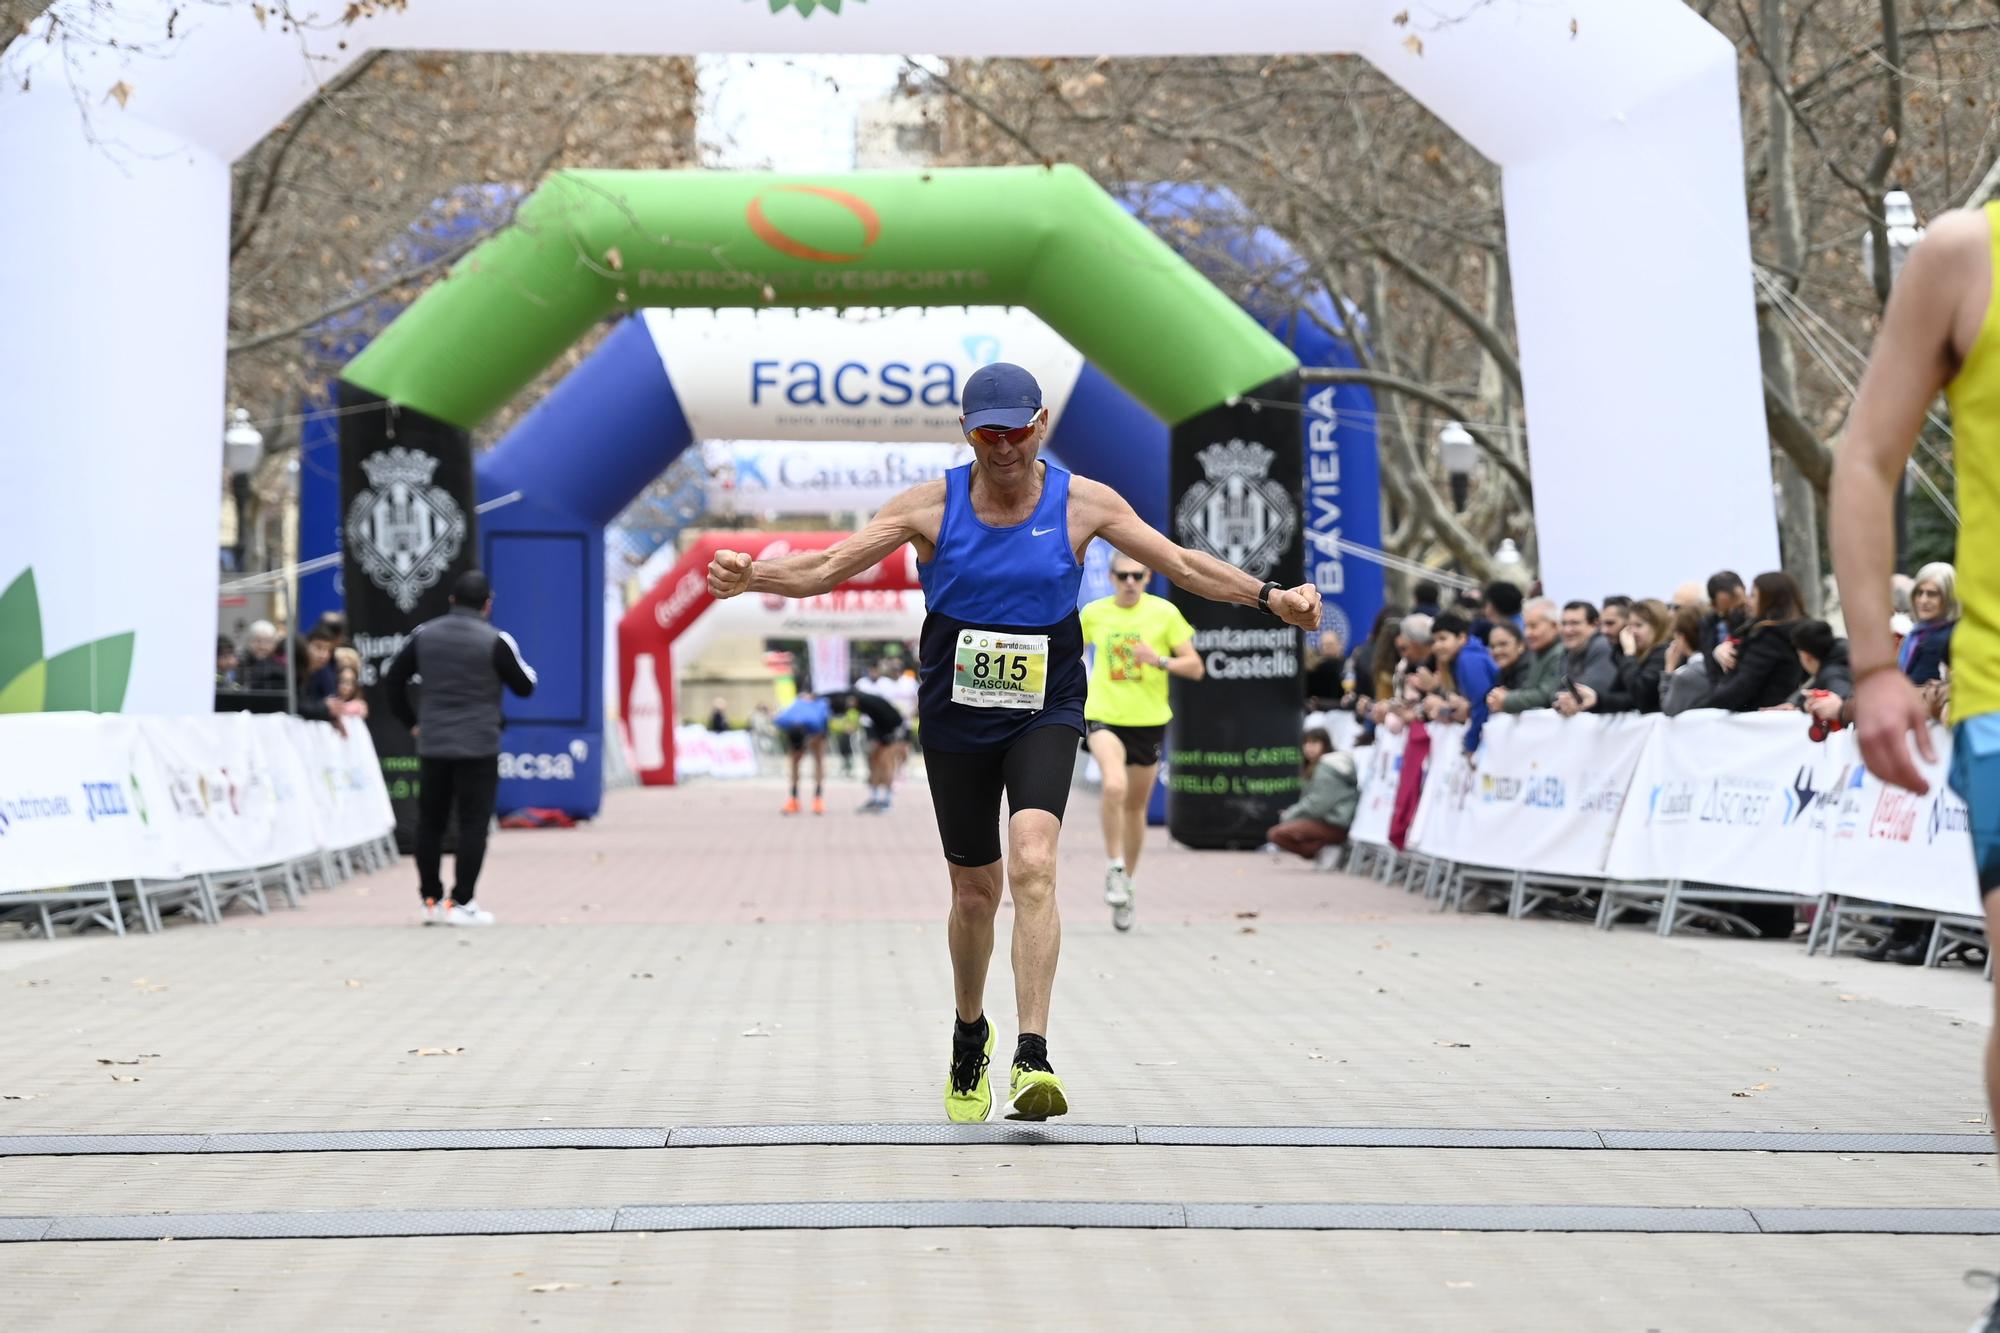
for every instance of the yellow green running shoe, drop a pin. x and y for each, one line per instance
(968, 1092)
(1036, 1094)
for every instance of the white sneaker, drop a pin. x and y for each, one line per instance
(1328, 858)
(1117, 886)
(471, 914)
(432, 916)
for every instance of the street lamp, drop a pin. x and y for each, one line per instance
(1900, 218)
(242, 448)
(1460, 455)
(1507, 563)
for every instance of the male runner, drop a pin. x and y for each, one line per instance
(883, 722)
(804, 722)
(1940, 331)
(999, 545)
(1136, 640)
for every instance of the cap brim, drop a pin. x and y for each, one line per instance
(1007, 418)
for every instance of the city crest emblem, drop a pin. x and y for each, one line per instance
(404, 530)
(1237, 512)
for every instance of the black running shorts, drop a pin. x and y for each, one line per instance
(1033, 772)
(1142, 744)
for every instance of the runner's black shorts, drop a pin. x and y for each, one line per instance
(899, 734)
(1033, 773)
(796, 738)
(1142, 744)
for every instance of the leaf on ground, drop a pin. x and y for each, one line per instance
(1314, 1055)
(1155, 1064)
(1246, 916)
(1739, 1094)
(1246, 930)
(1458, 1286)
(437, 1050)
(124, 1078)
(1454, 1045)
(757, 1031)
(1760, 1087)
(17, 1097)
(106, 1061)
(557, 1286)
(1845, 999)
(354, 983)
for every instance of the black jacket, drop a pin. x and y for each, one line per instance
(1767, 670)
(463, 662)
(1715, 631)
(1638, 686)
(1835, 675)
(1932, 652)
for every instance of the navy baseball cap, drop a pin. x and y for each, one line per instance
(1002, 395)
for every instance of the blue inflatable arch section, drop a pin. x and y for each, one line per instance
(573, 464)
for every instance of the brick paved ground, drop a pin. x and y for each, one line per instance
(693, 959)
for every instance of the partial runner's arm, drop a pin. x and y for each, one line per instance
(1912, 358)
(1104, 513)
(912, 516)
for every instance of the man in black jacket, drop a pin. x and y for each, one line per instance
(1725, 622)
(462, 661)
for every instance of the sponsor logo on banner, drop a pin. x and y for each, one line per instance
(546, 767)
(1671, 802)
(91, 675)
(404, 530)
(1738, 801)
(1236, 512)
(1895, 816)
(18, 810)
(1323, 508)
(104, 800)
(1850, 803)
(1949, 815)
(693, 585)
(785, 243)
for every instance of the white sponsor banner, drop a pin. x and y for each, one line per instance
(1343, 728)
(859, 374)
(80, 802)
(1442, 764)
(95, 797)
(1890, 845)
(786, 477)
(1381, 767)
(701, 753)
(1544, 795)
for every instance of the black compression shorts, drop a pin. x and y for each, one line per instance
(1142, 744)
(1034, 773)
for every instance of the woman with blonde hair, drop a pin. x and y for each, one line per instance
(1934, 607)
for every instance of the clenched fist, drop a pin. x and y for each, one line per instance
(1298, 606)
(728, 574)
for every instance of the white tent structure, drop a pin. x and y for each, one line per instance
(1615, 123)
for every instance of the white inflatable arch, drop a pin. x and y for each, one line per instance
(1619, 143)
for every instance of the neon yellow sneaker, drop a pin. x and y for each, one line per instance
(968, 1092)
(1036, 1094)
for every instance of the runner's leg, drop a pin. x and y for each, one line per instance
(1139, 780)
(965, 793)
(1109, 752)
(1037, 770)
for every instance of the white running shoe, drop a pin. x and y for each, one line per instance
(431, 914)
(471, 914)
(1117, 886)
(1121, 916)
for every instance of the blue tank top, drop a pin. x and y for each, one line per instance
(1022, 579)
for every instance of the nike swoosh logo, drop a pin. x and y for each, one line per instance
(1041, 532)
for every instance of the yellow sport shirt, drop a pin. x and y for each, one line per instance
(1974, 394)
(1123, 693)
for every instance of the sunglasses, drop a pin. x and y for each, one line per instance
(996, 435)
(1130, 575)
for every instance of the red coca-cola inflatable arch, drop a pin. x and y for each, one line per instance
(681, 597)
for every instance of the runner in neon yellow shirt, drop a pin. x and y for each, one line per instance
(1136, 641)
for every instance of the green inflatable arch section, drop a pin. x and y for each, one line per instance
(590, 243)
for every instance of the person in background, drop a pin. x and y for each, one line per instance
(1726, 619)
(1686, 684)
(1505, 643)
(804, 723)
(1642, 663)
(347, 701)
(886, 730)
(1933, 615)
(1763, 669)
(226, 665)
(1541, 665)
(263, 668)
(1588, 661)
(1611, 618)
(1329, 790)
(718, 714)
(1424, 598)
(1326, 671)
(1361, 662)
(1500, 604)
(1829, 675)
(844, 725)
(1469, 673)
(1386, 661)
(318, 677)
(1688, 594)
(464, 663)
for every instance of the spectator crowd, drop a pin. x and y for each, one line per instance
(317, 675)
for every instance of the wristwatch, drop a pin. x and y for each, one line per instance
(1264, 596)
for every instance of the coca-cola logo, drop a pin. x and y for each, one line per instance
(693, 584)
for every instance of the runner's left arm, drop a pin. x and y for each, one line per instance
(1106, 514)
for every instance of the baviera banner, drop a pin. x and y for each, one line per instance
(408, 529)
(1234, 740)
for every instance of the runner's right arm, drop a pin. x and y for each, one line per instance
(913, 516)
